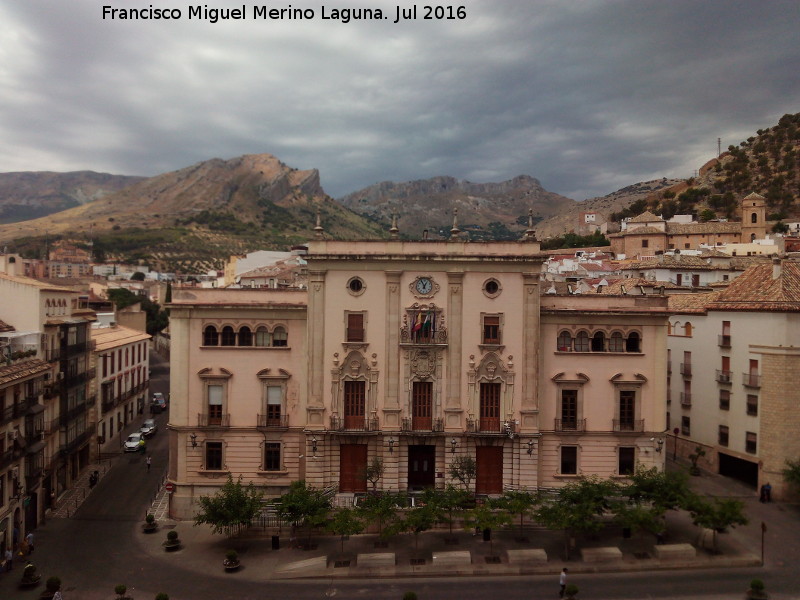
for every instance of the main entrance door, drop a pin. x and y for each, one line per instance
(489, 476)
(353, 468)
(421, 467)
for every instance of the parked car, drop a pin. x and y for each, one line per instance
(148, 428)
(135, 442)
(159, 403)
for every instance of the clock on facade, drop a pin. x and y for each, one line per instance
(424, 286)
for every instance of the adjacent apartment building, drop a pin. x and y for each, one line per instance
(414, 353)
(734, 359)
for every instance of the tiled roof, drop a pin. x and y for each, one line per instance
(682, 303)
(645, 217)
(113, 337)
(5, 326)
(20, 370)
(757, 290)
(703, 228)
(35, 283)
(632, 285)
(680, 261)
(644, 230)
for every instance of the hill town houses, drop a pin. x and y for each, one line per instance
(415, 353)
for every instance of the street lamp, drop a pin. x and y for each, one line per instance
(193, 438)
(391, 445)
(453, 444)
(314, 446)
(530, 447)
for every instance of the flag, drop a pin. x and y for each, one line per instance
(418, 322)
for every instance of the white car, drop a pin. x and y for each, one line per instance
(135, 442)
(148, 428)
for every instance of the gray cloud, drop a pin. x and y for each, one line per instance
(586, 96)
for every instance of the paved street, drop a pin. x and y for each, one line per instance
(100, 544)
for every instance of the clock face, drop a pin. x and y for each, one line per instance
(424, 285)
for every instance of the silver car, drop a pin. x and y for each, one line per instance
(134, 443)
(148, 428)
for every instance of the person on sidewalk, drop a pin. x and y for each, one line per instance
(9, 564)
(562, 581)
(29, 539)
(147, 462)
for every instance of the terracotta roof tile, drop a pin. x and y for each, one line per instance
(758, 290)
(645, 217)
(681, 303)
(22, 370)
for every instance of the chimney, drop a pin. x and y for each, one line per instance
(776, 268)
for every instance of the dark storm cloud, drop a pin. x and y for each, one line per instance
(586, 96)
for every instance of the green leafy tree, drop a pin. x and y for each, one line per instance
(232, 508)
(649, 495)
(695, 457)
(487, 516)
(381, 508)
(717, 514)
(577, 507)
(518, 502)
(416, 520)
(305, 506)
(450, 502)
(791, 473)
(463, 469)
(344, 523)
(373, 472)
(157, 319)
(138, 276)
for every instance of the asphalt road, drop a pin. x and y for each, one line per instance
(100, 547)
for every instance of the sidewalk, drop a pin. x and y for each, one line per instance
(437, 553)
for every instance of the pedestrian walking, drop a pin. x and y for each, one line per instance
(562, 581)
(9, 563)
(768, 492)
(29, 539)
(147, 461)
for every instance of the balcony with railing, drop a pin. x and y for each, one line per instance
(486, 426)
(422, 424)
(273, 421)
(686, 399)
(73, 379)
(686, 369)
(77, 349)
(724, 341)
(206, 420)
(567, 425)
(9, 457)
(632, 425)
(723, 376)
(76, 443)
(70, 414)
(16, 410)
(359, 423)
(423, 336)
(751, 380)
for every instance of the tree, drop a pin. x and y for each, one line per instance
(694, 457)
(138, 276)
(345, 522)
(518, 503)
(484, 516)
(304, 505)
(157, 319)
(791, 473)
(650, 494)
(374, 472)
(577, 507)
(381, 507)
(416, 520)
(232, 508)
(168, 293)
(448, 502)
(717, 514)
(463, 469)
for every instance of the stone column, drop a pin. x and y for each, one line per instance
(316, 346)
(529, 405)
(391, 404)
(455, 316)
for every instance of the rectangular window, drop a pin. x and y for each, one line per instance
(421, 405)
(274, 405)
(723, 435)
(724, 400)
(750, 442)
(213, 456)
(569, 460)
(645, 243)
(491, 329)
(215, 393)
(627, 410)
(490, 407)
(355, 327)
(752, 405)
(686, 425)
(272, 456)
(569, 410)
(354, 404)
(627, 460)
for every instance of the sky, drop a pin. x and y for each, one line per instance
(586, 96)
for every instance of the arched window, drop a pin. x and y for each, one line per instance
(262, 336)
(754, 218)
(564, 343)
(752, 238)
(687, 330)
(615, 343)
(599, 342)
(582, 342)
(632, 343)
(279, 337)
(228, 336)
(210, 336)
(245, 336)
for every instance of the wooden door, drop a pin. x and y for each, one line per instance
(354, 405)
(353, 468)
(421, 405)
(489, 463)
(490, 407)
(421, 467)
